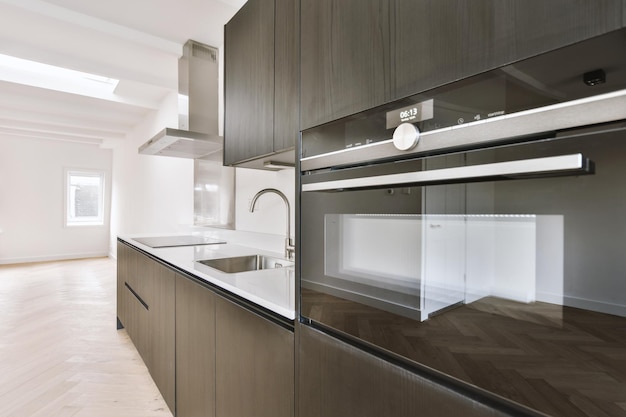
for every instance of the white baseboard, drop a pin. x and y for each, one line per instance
(549, 298)
(583, 303)
(593, 305)
(47, 258)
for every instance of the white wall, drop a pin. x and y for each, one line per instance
(151, 194)
(32, 200)
(269, 214)
(148, 194)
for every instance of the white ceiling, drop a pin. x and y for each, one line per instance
(135, 41)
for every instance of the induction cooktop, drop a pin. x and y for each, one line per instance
(184, 240)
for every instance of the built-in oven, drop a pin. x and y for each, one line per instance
(477, 230)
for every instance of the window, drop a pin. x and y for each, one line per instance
(85, 198)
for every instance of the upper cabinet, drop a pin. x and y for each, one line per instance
(261, 50)
(345, 58)
(358, 54)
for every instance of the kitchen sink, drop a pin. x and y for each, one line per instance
(246, 263)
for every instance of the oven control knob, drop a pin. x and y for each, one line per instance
(406, 136)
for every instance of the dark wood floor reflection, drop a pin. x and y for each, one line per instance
(559, 360)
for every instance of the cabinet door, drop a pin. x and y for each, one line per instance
(122, 271)
(437, 42)
(195, 349)
(287, 74)
(249, 82)
(136, 307)
(337, 379)
(148, 293)
(543, 26)
(356, 55)
(141, 284)
(344, 58)
(254, 364)
(163, 332)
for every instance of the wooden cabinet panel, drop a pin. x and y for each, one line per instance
(147, 291)
(137, 325)
(337, 379)
(163, 332)
(254, 364)
(543, 26)
(207, 355)
(142, 285)
(437, 42)
(195, 349)
(360, 54)
(136, 310)
(261, 80)
(286, 74)
(122, 272)
(345, 58)
(249, 82)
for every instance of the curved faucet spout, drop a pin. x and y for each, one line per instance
(289, 246)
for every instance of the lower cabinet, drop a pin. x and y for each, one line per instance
(195, 349)
(163, 331)
(337, 379)
(209, 356)
(254, 364)
(146, 302)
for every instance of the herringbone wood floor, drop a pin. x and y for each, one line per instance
(563, 361)
(60, 352)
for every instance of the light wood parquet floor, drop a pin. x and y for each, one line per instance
(60, 352)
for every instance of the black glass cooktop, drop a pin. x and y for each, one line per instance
(170, 241)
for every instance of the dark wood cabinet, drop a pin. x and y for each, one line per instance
(261, 80)
(337, 379)
(207, 355)
(345, 58)
(360, 54)
(146, 309)
(249, 82)
(286, 74)
(195, 349)
(135, 307)
(254, 364)
(122, 273)
(163, 331)
(437, 42)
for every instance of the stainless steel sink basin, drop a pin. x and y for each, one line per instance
(246, 263)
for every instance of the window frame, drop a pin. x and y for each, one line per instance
(71, 220)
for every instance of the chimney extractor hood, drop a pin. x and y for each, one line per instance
(182, 144)
(197, 132)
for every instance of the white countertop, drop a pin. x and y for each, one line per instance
(273, 289)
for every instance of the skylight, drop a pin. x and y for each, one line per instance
(36, 74)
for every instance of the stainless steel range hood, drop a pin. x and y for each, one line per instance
(182, 144)
(197, 137)
(197, 132)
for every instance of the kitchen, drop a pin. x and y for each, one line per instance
(154, 180)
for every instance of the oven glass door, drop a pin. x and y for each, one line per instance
(508, 275)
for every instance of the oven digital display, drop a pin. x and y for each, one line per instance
(414, 113)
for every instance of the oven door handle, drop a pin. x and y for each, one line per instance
(573, 164)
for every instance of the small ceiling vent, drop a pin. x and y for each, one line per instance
(203, 52)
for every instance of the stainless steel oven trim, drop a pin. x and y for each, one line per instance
(562, 164)
(597, 109)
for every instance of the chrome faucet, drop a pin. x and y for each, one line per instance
(290, 248)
